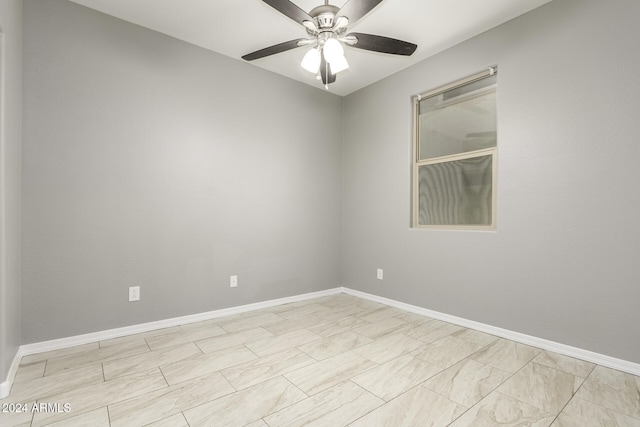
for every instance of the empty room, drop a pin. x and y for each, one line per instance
(347, 213)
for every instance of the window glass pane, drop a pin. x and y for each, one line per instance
(459, 120)
(457, 192)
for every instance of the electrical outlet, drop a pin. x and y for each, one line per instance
(380, 274)
(134, 293)
(233, 281)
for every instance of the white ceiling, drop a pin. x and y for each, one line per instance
(237, 27)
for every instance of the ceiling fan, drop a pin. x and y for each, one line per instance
(327, 27)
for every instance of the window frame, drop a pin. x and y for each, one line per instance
(417, 163)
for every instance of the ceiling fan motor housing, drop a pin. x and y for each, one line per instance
(324, 16)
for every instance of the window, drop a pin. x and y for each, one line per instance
(454, 168)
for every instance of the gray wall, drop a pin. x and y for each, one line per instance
(563, 264)
(10, 183)
(151, 162)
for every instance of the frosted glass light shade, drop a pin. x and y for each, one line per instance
(332, 50)
(311, 61)
(339, 64)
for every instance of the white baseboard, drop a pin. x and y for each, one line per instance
(589, 356)
(57, 344)
(5, 387)
(578, 353)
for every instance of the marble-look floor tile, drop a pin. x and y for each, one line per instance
(30, 371)
(475, 336)
(154, 378)
(396, 376)
(232, 339)
(96, 396)
(365, 307)
(349, 310)
(498, 410)
(138, 338)
(572, 366)
(43, 387)
(381, 314)
(447, 351)
(177, 420)
(507, 355)
(389, 347)
(612, 389)
(384, 327)
(204, 364)
(256, 371)
(97, 355)
(466, 382)
(144, 362)
(96, 418)
(246, 406)
(338, 301)
(413, 318)
(416, 407)
(433, 331)
(323, 375)
(38, 357)
(336, 327)
(294, 305)
(580, 413)
(426, 327)
(163, 403)
(278, 343)
(337, 406)
(289, 306)
(289, 325)
(334, 345)
(249, 321)
(309, 310)
(545, 388)
(185, 334)
(194, 327)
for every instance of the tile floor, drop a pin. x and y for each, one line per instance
(331, 361)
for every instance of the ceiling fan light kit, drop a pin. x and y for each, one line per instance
(326, 25)
(311, 61)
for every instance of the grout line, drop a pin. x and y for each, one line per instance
(515, 398)
(185, 418)
(247, 347)
(164, 377)
(227, 380)
(376, 365)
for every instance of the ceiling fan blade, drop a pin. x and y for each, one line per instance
(325, 72)
(382, 44)
(289, 9)
(356, 9)
(272, 50)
